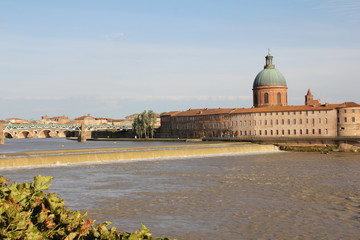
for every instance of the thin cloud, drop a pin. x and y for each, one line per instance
(115, 36)
(345, 8)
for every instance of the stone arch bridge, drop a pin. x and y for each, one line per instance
(52, 130)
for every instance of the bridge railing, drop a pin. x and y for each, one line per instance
(69, 127)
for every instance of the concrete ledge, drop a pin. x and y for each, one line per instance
(125, 154)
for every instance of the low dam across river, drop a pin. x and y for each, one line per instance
(77, 156)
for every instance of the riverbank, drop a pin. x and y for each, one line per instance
(322, 148)
(76, 156)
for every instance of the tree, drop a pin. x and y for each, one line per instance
(144, 124)
(27, 211)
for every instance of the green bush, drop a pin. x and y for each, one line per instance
(27, 212)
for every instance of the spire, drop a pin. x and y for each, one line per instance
(309, 93)
(268, 62)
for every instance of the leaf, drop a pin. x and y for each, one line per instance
(41, 182)
(4, 181)
(71, 236)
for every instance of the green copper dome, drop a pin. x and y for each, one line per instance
(269, 76)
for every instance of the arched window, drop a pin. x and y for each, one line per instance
(255, 99)
(266, 98)
(279, 98)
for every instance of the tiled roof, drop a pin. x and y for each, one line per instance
(216, 111)
(348, 104)
(83, 117)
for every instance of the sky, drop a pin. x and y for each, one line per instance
(114, 58)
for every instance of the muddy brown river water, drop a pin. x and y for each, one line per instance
(260, 196)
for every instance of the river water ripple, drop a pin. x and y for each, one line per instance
(259, 196)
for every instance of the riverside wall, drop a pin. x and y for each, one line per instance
(64, 157)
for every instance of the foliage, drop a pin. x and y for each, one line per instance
(144, 124)
(27, 212)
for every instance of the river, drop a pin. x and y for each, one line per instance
(248, 196)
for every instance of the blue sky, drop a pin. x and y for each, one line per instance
(114, 58)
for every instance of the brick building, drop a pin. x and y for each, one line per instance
(269, 117)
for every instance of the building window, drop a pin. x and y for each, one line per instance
(271, 132)
(326, 131)
(307, 131)
(326, 120)
(265, 122)
(288, 121)
(289, 132)
(353, 119)
(266, 98)
(313, 131)
(279, 98)
(277, 132)
(345, 111)
(300, 131)
(277, 122)
(260, 132)
(282, 121)
(300, 121)
(319, 131)
(345, 119)
(283, 132)
(294, 121)
(265, 132)
(294, 131)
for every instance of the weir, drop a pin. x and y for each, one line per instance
(59, 157)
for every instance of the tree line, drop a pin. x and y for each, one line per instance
(144, 124)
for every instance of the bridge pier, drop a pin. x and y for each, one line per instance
(2, 135)
(82, 134)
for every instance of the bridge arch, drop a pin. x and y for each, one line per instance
(24, 134)
(8, 135)
(45, 134)
(61, 134)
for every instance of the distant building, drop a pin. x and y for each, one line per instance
(270, 116)
(87, 119)
(58, 120)
(16, 121)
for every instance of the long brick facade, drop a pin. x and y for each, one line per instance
(268, 118)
